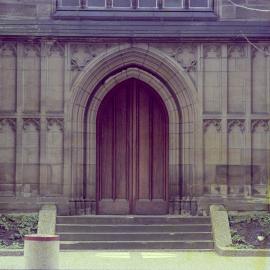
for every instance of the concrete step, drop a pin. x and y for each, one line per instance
(103, 228)
(132, 220)
(124, 245)
(166, 236)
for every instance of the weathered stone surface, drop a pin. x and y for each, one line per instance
(220, 226)
(14, 10)
(217, 95)
(47, 219)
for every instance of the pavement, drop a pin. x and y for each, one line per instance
(146, 260)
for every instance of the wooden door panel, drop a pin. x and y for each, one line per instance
(143, 146)
(106, 153)
(113, 169)
(159, 154)
(150, 207)
(132, 151)
(113, 207)
(121, 158)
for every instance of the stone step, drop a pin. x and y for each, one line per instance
(134, 232)
(132, 220)
(125, 245)
(85, 228)
(166, 236)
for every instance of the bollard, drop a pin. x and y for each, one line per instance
(41, 251)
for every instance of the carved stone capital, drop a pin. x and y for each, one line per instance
(215, 122)
(11, 122)
(55, 121)
(31, 47)
(8, 47)
(53, 46)
(259, 123)
(27, 122)
(264, 49)
(240, 123)
(212, 48)
(239, 50)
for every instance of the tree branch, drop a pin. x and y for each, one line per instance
(249, 8)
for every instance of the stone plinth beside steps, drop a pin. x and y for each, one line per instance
(134, 232)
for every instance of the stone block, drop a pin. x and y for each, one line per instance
(242, 13)
(228, 12)
(44, 10)
(220, 226)
(219, 190)
(47, 219)
(17, 9)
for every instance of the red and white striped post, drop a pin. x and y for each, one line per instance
(41, 251)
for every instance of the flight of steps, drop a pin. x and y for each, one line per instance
(134, 232)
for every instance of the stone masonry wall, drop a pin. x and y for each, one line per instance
(42, 9)
(244, 9)
(233, 87)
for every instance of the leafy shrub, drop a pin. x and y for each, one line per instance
(239, 241)
(13, 228)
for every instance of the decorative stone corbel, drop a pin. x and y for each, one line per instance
(259, 123)
(238, 123)
(31, 121)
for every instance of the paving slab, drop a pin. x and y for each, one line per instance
(146, 260)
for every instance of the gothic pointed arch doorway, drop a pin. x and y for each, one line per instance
(132, 151)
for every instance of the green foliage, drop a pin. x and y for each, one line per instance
(238, 241)
(264, 219)
(14, 228)
(13, 245)
(242, 221)
(242, 218)
(27, 224)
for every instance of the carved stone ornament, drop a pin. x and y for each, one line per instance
(31, 47)
(76, 65)
(55, 121)
(11, 122)
(8, 48)
(240, 123)
(264, 49)
(27, 122)
(80, 60)
(215, 122)
(82, 54)
(55, 47)
(237, 50)
(212, 49)
(260, 123)
(186, 56)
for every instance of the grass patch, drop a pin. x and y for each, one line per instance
(13, 228)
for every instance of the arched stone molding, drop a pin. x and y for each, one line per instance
(175, 88)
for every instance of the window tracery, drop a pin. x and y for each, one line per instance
(136, 4)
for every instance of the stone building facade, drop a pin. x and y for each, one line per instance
(208, 65)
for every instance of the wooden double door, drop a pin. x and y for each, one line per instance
(132, 151)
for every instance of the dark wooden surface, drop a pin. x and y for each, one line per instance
(132, 151)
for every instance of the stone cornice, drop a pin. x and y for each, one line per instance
(137, 31)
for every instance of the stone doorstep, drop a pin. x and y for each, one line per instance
(222, 237)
